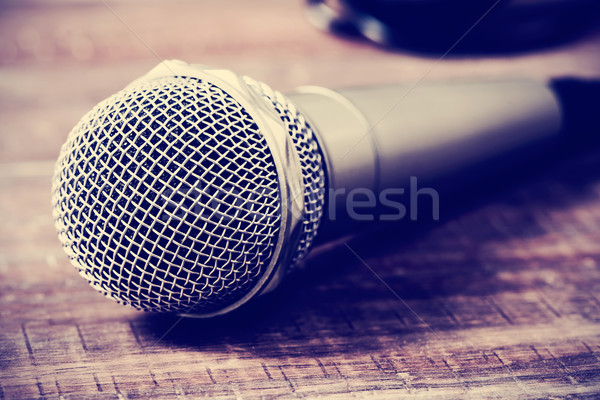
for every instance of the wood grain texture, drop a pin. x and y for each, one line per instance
(500, 299)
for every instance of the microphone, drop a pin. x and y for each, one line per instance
(194, 189)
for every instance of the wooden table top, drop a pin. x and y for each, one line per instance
(498, 299)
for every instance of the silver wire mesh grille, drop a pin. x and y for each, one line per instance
(311, 163)
(166, 197)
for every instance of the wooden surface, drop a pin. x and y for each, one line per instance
(500, 299)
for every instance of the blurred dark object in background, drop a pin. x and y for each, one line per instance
(462, 26)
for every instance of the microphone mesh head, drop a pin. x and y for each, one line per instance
(166, 196)
(311, 162)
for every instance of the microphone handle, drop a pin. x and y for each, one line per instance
(441, 133)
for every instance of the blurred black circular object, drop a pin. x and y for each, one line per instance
(459, 25)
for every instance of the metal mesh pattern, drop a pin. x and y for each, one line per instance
(311, 163)
(166, 197)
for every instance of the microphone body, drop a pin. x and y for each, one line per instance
(393, 142)
(195, 189)
(379, 137)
